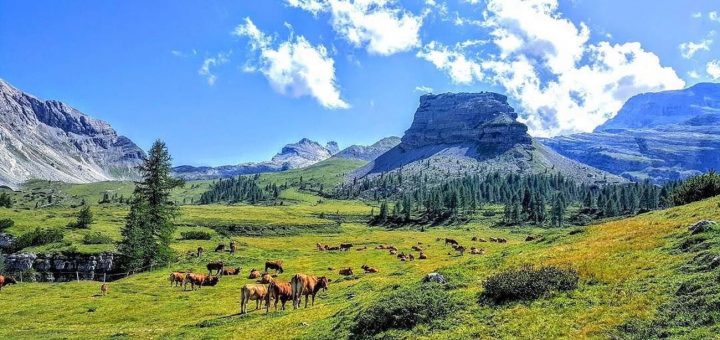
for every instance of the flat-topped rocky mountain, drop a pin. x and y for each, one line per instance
(53, 141)
(455, 134)
(298, 155)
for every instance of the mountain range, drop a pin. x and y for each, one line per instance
(51, 140)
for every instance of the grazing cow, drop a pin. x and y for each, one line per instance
(220, 248)
(104, 289)
(200, 251)
(331, 248)
(231, 271)
(531, 238)
(257, 292)
(451, 241)
(345, 246)
(279, 291)
(391, 248)
(346, 271)
(402, 254)
(460, 249)
(501, 240)
(216, 266)
(319, 247)
(380, 247)
(492, 239)
(200, 280)
(369, 269)
(476, 251)
(232, 247)
(4, 281)
(416, 248)
(423, 256)
(266, 278)
(393, 252)
(177, 278)
(411, 257)
(275, 265)
(254, 274)
(306, 285)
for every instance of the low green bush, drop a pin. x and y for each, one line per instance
(97, 238)
(404, 308)
(195, 235)
(6, 223)
(37, 237)
(527, 283)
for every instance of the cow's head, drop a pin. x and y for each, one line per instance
(323, 283)
(212, 280)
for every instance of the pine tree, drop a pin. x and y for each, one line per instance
(558, 211)
(84, 218)
(148, 227)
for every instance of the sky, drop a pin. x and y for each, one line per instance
(224, 82)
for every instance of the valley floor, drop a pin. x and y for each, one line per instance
(628, 269)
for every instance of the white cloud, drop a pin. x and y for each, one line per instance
(377, 25)
(424, 89)
(713, 69)
(208, 63)
(453, 61)
(294, 67)
(693, 74)
(697, 15)
(714, 16)
(562, 82)
(688, 49)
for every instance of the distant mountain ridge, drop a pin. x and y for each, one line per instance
(298, 155)
(369, 152)
(660, 137)
(455, 134)
(53, 141)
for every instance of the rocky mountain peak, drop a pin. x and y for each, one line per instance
(482, 118)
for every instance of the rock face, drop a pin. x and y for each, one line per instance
(302, 154)
(660, 136)
(51, 140)
(369, 152)
(453, 135)
(61, 268)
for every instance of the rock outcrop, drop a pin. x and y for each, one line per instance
(62, 268)
(302, 154)
(369, 152)
(453, 135)
(661, 137)
(53, 141)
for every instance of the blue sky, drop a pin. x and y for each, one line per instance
(224, 82)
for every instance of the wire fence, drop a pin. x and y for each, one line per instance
(79, 275)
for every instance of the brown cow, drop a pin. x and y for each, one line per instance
(423, 256)
(380, 247)
(482, 240)
(346, 271)
(411, 257)
(460, 249)
(393, 252)
(501, 240)
(4, 281)
(363, 248)
(177, 278)
(220, 248)
(266, 278)
(275, 265)
(391, 248)
(217, 266)
(369, 269)
(331, 248)
(451, 241)
(345, 246)
(416, 248)
(319, 247)
(306, 285)
(200, 251)
(104, 289)
(231, 271)
(249, 292)
(476, 251)
(254, 274)
(492, 239)
(200, 280)
(280, 291)
(474, 238)
(233, 247)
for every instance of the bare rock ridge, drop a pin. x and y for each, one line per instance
(369, 152)
(53, 141)
(302, 154)
(455, 134)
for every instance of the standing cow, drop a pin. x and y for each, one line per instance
(4, 281)
(307, 285)
(249, 292)
(275, 265)
(216, 266)
(280, 291)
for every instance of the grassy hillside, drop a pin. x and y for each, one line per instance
(630, 272)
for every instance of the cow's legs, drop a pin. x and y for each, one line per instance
(313, 299)
(306, 300)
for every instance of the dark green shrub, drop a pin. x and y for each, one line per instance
(36, 237)
(527, 283)
(97, 238)
(6, 223)
(404, 309)
(84, 218)
(697, 188)
(195, 235)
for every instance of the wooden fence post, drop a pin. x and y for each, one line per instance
(77, 276)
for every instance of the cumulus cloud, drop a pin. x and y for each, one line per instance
(210, 62)
(714, 16)
(562, 82)
(293, 67)
(688, 49)
(713, 69)
(379, 26)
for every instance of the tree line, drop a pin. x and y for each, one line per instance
(240, 189)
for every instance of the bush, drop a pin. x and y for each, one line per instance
(6, 223)
(527, 283)
(196, 235)
(36, 237)
(697, 188)
(97, 238)
(84, 218)
(404, 309)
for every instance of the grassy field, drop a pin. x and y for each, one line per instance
(628, 269)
